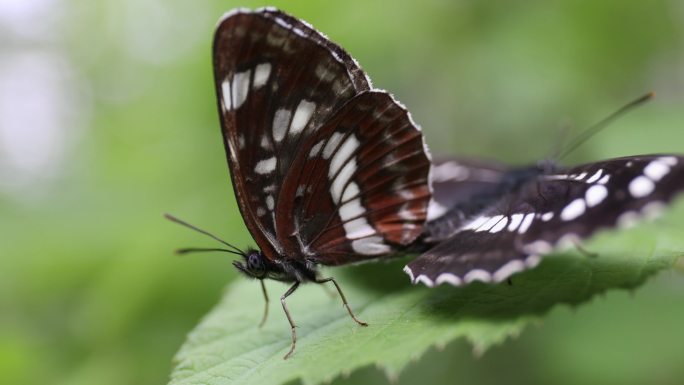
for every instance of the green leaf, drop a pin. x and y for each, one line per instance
(227, 347)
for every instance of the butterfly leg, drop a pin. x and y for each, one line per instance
(289, 318)
(330, 292)
(344, 299)
(263, 289)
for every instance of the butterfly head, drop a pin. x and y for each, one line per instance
(254, 265)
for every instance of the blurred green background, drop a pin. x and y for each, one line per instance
(108, 119)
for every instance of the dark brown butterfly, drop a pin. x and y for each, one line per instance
(326, 169)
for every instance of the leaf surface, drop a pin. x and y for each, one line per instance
(227, 347)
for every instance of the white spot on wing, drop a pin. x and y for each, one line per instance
(225, 90)
(641, 186)
(341, 180)
(435, 210)
(340, 86)
(323, 73)
(653, 209)
(240, 88)
(275, 40)
(350, 192)
(351, 213)
(316, 149)
(595, 176)
(527, 221)
(557, 177)
(283, 23)
(448, 278)
(499, 226)
(490, 223)
(333, 141)
(538, 247)
(370, 246)
(477, 222)
(516, 219)
(604, 180)
(406, 194)
(265, 166)
(656, 170)
(280, 121)
(359, 227)
(580, 176)
(270, 203)
(301, 116)
(356, 226)
(343, 154)
(477, 275)
(261, 74)
(449, 171)
(568, 241)
(233, 153)
(595, 194)
(424, 279)
(628, 219)
(406, 213)
(547, 216)
(573, 210)
(532, 261)
(505, 271)
(408, 271)
(669, 160)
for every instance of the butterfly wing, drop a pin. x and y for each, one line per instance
(311, 149)
(360, 188)
(461, 188)
(549, 211)
(278, 81)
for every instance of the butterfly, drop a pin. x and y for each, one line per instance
(328, 170)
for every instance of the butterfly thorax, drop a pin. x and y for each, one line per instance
(517, 177)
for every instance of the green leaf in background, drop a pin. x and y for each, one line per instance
(228, 348)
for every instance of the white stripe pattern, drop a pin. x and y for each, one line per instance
(342, 167)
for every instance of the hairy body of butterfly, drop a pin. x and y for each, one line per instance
(326, 169)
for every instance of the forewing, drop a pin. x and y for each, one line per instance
(360, 189)
(551, 211)
(278, 81)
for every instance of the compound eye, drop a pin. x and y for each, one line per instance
(255, 264)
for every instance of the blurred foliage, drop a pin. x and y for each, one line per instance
(90, 291)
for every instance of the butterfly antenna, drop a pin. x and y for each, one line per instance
(594, 129)
(561, 136)
(234, 250)
(187, 250)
